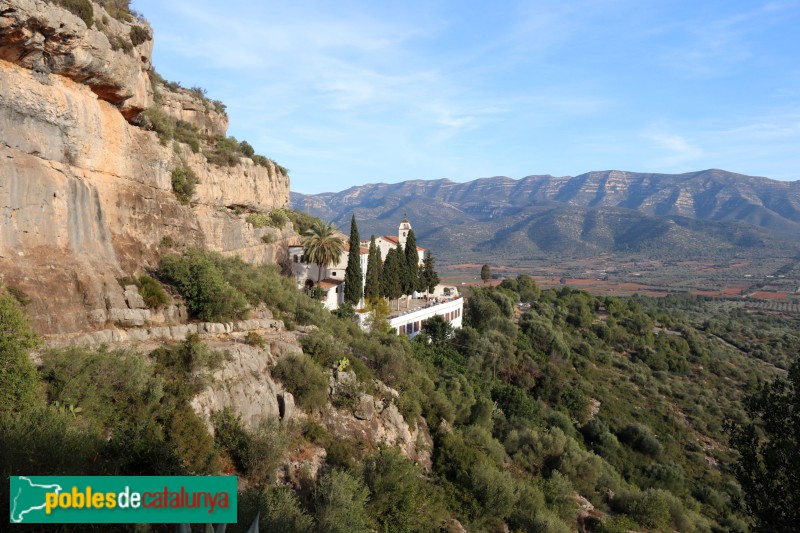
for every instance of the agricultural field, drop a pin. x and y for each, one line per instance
(768, 284)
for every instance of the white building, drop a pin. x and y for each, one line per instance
(388, 242)
(410, 322)
(331, 280)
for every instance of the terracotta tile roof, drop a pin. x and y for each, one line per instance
(329, 283)
(394, 241)
(361, 249)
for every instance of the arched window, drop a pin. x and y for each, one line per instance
(296, 258)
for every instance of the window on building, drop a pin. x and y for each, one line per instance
(296, 259)
(333, 273)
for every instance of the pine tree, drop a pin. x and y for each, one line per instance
(353, 288)
(412, 263)
(428, 276)
(372, 287)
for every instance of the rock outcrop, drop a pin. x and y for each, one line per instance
(375, 420)
(182, 104)
(85, 195)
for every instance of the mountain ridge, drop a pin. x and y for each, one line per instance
(693, 213)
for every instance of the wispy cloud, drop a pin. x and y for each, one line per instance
(709, 47)
(673, 149)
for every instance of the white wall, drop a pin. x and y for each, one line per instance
(454, 308)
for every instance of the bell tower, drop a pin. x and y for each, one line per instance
(402, 232)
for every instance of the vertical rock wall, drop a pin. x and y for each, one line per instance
(86, 196)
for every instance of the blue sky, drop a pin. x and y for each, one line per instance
(345, 93)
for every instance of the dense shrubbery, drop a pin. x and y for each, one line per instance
(208, 295)
(575, 395)
(304, 379)
(17, 374)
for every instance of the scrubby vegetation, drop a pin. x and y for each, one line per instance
(184, 182)
(277, 218)
(153, 293)
(82, 8)
(620, 401)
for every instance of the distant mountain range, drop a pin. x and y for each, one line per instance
(697, 214)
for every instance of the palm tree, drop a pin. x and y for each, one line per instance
(322, 245)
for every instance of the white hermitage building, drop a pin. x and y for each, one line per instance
(446, 303)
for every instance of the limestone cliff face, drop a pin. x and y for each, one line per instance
(86, 196)
(181, 104)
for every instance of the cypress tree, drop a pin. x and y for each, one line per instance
(429, 279)
(412, 264)
(391, 275)
(353, 288)
(372, 287)
(402, 272)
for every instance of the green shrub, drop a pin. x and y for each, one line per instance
(20, 383)
(258, 220)
(653, 508)
(99, 381)
(186, 132)
(268, 238)
(262, 283)
(265, 450)
(341, 504)
(254, 339)
(82, 8)
(119, 9)
(120, 43)
(400, 499)
(304, 379)
(260, 160)
(231, 437)
(187, 367)
(202, 284)
(192, 442)
(278, 218)
(153, 293)
(225, 152)
(184, 183)
(155, 119)
(278, 508)
(247, 149)
(641, 439)
(139, 34)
